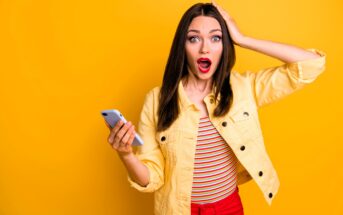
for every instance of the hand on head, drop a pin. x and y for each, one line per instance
(235, 33)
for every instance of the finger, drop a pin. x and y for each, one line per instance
(118, 125)
(223, 12)
(214, 3)
(132, 137)
(129, 142)
(115, 130)
(120, 134)
(218, 6)
(127, 136)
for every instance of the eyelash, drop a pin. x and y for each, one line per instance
(216, 36)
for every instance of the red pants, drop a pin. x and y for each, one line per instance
(231, 205)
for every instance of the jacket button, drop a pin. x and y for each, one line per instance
(224, 124)
(270, 195)
(211, 101)
(242, 148)
(246, 114)
(260, 173)
(163, 138)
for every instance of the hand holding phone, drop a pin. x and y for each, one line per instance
(112, 117)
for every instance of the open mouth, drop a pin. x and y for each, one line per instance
(204, 64)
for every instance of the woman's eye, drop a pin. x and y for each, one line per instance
(193, 39)
(216, 38)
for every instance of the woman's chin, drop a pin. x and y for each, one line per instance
(204, 76)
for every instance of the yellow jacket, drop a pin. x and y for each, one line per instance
(169, 155)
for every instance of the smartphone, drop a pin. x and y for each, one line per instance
(113, 116)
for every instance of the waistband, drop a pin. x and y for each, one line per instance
(231, 197)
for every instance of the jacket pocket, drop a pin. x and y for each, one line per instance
(167, 141)
(244, 120)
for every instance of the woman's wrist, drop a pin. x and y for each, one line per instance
(243, 41)
(126, 155)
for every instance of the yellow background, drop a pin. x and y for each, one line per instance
(62, 62)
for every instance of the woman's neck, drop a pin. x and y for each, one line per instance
(197, 86)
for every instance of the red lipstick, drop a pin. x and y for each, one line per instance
(204, 64)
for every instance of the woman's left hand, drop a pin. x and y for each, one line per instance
(234, 32)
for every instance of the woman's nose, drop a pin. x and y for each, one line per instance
(204, 48)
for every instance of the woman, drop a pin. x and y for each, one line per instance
(200, 129)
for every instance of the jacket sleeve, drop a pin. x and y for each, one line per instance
(149, 153)
(271, 84)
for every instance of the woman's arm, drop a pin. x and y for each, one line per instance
(136, 169)
(301, 67)
(121, 137)
(147, 166)
(283, 52)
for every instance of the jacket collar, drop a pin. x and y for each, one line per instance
(185, 102)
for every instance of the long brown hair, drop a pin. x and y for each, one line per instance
(176, 68)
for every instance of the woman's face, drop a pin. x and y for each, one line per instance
(203, 46)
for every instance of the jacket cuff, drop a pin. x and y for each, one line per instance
(139, 187)
(151, 187)
(306, 71)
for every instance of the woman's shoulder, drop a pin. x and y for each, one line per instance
(153, 93)
(240, 77)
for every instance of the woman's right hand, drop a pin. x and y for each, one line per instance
(236, 35)
(121, 137)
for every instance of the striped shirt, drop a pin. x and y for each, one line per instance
(215, 175)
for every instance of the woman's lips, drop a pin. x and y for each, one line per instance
(204, 64)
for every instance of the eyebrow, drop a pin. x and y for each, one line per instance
(197, 31)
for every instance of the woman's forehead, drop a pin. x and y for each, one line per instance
(204, 24)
